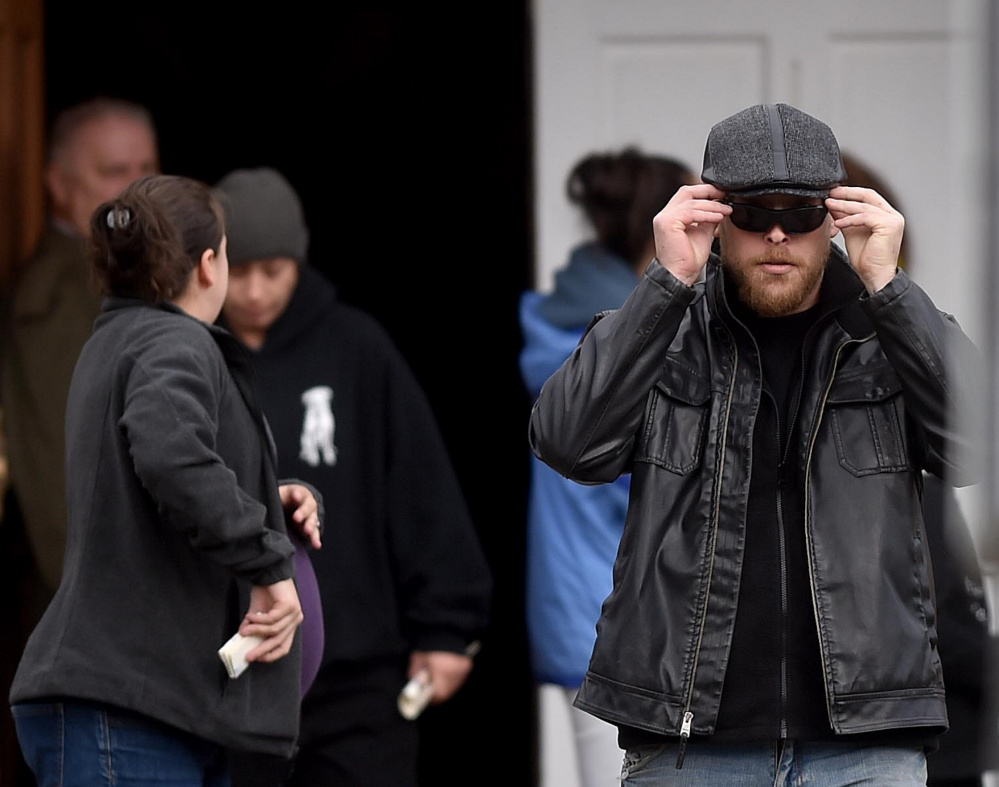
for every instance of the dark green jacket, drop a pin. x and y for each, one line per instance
(50, 315)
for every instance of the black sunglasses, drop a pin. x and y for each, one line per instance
(794, 221)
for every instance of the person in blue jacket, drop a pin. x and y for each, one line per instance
(573, 530)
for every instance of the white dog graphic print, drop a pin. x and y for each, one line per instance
(317, 429)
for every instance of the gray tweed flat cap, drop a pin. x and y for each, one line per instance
(264, 216)
(773, 149)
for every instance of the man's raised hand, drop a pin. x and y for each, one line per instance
(684, 230)
(872, 230)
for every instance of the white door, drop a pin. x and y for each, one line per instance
(902, 83)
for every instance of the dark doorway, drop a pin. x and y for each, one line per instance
(406, 129)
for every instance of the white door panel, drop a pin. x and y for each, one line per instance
(899, 81)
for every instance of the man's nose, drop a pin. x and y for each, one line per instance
(776, 235)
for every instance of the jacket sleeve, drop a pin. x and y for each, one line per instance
(171, 408)
(941, 370)
(963, 616)
(584, 422)
(444, 583)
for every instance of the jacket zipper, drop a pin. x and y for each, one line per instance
(782, 542)
(782, 535)
(688, 719)
(688, 716)
(808, 537)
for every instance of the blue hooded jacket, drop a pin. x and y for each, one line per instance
(573, 530)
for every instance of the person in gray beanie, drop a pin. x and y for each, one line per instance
(776, 399)
(403, 580)
(265, 216)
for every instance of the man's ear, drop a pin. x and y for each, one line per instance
(206, 268)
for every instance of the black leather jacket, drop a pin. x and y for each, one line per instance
(668, 388)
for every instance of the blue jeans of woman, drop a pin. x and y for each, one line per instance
(79, 744)
(775, 764)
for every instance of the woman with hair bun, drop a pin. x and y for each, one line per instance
(574, 530)
(178, 527)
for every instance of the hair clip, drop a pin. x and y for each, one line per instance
(118, 217)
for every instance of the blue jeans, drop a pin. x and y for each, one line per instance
(773, 764)
(78, 744)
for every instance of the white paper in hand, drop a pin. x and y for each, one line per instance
(415, 696)
(233, 653)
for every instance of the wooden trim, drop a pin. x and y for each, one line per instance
(22, 132)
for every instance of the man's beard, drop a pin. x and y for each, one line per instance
(774, 295)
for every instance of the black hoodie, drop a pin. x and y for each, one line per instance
(401, 567)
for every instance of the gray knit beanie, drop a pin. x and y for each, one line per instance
(264, 216)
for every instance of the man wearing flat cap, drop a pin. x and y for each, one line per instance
(776, 400)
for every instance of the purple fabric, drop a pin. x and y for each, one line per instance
(313, 634)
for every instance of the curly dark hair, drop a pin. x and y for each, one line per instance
(621, 192)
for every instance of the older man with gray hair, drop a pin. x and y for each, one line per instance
(96, 149)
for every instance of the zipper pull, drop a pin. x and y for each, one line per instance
(688, 719)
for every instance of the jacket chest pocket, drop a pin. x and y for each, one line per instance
(866, 417)
(675, 421)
